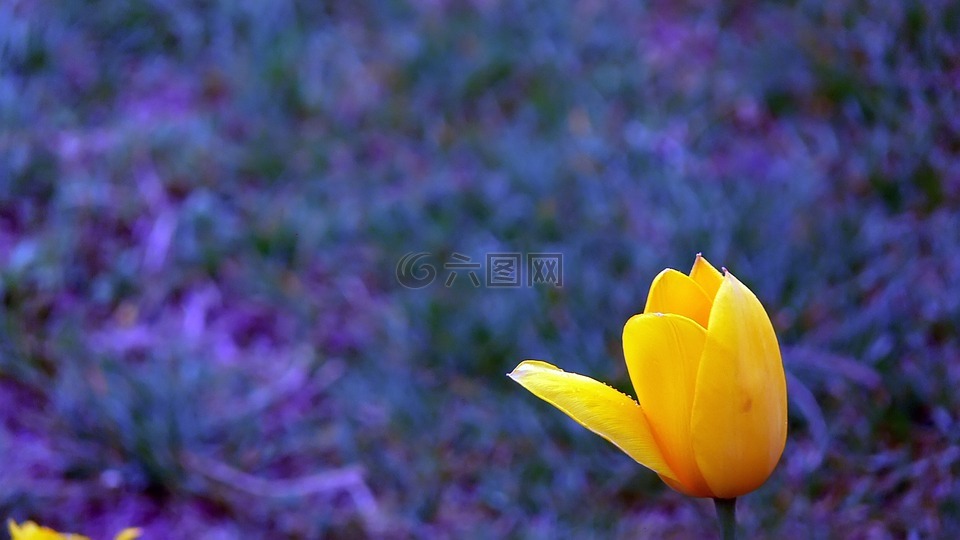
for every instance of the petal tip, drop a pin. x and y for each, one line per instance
(528, 366)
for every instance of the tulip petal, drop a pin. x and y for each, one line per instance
(675, 292)
(740, 408)
(706, 276)
(597, 407)
(663, 356)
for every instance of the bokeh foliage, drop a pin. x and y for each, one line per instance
(202, 205)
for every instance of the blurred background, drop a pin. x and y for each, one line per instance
(203, 204)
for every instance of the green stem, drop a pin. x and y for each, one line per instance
(727, 516)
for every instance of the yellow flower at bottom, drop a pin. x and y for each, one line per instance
(130, 533)
(705, 364)
(31, 531)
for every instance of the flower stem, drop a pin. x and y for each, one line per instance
(727, 516)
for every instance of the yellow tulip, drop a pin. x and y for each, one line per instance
(31, 531)
(705, 364)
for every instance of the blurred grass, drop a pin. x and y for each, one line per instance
(202, 204)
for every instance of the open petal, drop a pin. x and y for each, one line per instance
(675, 292)
(706, 276)
(663, 356)
(597, 407)
(740, 408)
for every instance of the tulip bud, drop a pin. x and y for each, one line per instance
(705, 364)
